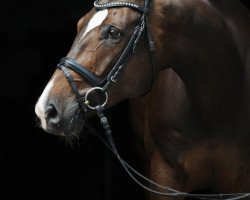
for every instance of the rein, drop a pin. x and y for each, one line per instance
(163, 190)
(84, 102)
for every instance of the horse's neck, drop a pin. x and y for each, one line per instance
(201, 49)
(207, 88)
(236, 17)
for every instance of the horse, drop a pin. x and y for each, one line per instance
(184, 66)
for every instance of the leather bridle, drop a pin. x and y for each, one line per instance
(68, 63)
(114, 73)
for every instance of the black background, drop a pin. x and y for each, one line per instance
(33, 164)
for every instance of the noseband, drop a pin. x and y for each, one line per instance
(102, 85)
(122, 61)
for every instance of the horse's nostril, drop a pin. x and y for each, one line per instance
(52, 114)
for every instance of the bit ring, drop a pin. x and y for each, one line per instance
(91, 90)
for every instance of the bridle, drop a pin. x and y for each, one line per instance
(112, 76)
(84, 104)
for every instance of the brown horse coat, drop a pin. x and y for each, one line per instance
(194, 123)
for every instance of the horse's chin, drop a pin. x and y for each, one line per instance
(70, 125)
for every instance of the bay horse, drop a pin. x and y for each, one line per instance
(185, 68)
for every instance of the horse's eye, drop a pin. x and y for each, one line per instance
(114, 33)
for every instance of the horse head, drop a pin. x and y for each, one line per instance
(113, 53)
(111, 38)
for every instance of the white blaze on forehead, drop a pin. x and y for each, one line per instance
(42, 102)
(95, 21)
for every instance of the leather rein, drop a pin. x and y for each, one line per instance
(102, 85)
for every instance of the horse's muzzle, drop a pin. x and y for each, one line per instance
(66, 120)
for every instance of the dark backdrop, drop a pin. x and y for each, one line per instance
(34, 164)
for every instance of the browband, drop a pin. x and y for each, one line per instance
(140, 8)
